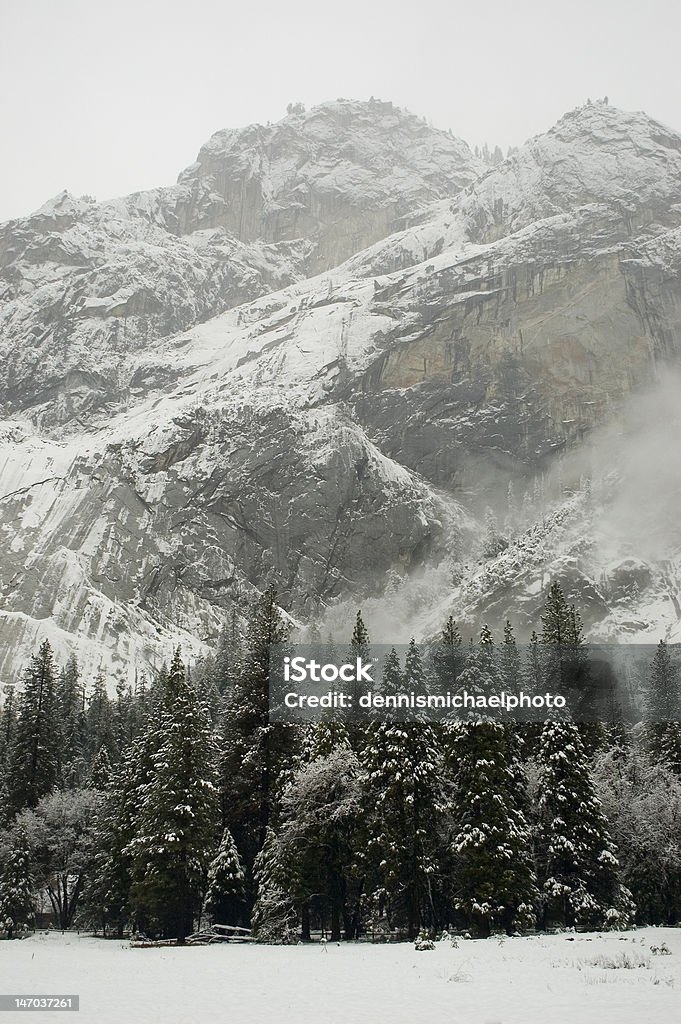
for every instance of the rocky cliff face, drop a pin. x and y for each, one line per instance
(85, 286)
(200, 396)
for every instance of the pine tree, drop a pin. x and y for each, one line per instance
(402, 800)
(107, 893)
(360, 647)
(274, 916)
(99, 728)
(256, 752)
(100, 776)
(224, 897)
(447, 658)
(510, 662)
(34, 759)
(71, 714)
(566, 665)
(8, 722)
(494, 884)
(326, 736)
(576, 860)
(17, 905)
(176, 820)
(663, 710)
(122, 718)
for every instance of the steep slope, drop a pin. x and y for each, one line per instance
(349, 429)
(84, 285)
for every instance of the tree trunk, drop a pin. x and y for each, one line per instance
(335, 922)
(305, 922)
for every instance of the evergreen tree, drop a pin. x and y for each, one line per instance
(274, 915)
(8, 721)
(72, 718)
(576, 860)
(494, 884)
(402, 801)
(17, 906)
(326, 735)
(100, 776)
(256, 752)
(227, 657)
(122, 718)
(224, 899)
(99, 729)
(663, 710)
(566, 666)
(447, 658)
(107, 892)
(359, 648)
(510, 662)
(176, 818)
(34, 758)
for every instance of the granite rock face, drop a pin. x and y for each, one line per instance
(85, 286)
(318, 359)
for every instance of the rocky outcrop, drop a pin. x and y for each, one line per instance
(343, 175)
(85, 286)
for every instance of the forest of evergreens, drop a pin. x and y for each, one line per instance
(177, 802)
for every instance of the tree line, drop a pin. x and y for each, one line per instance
(178, 801)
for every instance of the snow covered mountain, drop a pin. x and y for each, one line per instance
(319, 359)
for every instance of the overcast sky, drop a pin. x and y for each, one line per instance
(106, 98)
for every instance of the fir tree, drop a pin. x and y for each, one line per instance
(17, 905)
(122, 718)
(34, 758)
(274, 915)
(256, 752)
(99, 727)
(359, 648)
(176, 820)
(576, 860)
(494, 884)
(326, 736)
(71, 712)
(566, 665)
(224, 899)
(663, 710)
(510, 662)
(447, 658)
(100, 776)
(107, 893)
(402, 800)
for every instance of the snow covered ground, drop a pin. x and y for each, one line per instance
(556, 979)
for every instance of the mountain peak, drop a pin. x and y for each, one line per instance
(327, 167)
(595, 154)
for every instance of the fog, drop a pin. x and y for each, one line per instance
(630, 468)
(105, 99)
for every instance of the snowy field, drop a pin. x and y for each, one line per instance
(542, 979)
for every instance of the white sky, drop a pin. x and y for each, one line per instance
(105, 97)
